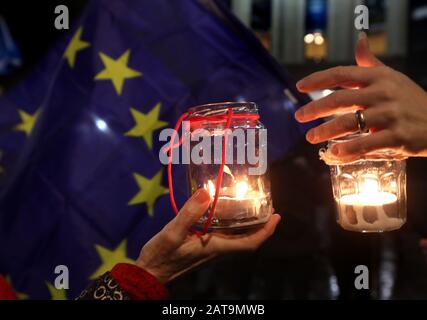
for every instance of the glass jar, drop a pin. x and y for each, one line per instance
(369, 193)
(244, 198)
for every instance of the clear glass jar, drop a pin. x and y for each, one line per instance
(244, 197)
(370, 193)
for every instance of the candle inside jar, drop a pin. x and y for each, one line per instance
(237, 202)
(369, 210)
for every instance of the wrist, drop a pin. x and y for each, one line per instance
(138, 283)
(153, 271)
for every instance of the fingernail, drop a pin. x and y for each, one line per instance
(299, 114)
(362, 35)
(300, 84)
(335, 150)
(197, 201)
(310, 136)
(201, 196)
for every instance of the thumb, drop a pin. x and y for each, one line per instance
(364, 57)
(191, 212)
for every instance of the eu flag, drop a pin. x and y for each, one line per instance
(82, 183)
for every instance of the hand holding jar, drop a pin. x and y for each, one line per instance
(176, 249)
(391, 106)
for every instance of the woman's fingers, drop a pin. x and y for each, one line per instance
(338, 127)
(190, 213)
(375, 118)
(363, 145)
(258, 237)
(380, 96)
(247, 242)
(348, 76)
(339, 101)
(364, 57)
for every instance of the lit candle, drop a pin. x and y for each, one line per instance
(238, 202)
(370, 209)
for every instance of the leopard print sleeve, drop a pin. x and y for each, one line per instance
(104, 288)
(125, 282)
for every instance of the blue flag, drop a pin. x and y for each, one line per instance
(10, 57)
(82, 182)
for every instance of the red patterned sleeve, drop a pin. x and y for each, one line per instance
(6, 291)
(138, 283)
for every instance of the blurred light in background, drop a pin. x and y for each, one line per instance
(101, 124)
(318, 94)
(327, 92)
(309, 38)
(325, 27)
(318, 38)
(315, 25)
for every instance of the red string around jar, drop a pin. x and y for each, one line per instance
(193, 122)
(228, 117)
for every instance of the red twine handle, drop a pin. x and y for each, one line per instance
(243, 116)
(218, 184)
(172, 146)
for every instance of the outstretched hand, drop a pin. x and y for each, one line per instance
(394, 107)
(176, 250)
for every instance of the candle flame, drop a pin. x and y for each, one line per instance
(370, 185)
(260, 187)
(211, 188)
(241, 189)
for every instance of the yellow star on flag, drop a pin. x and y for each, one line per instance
(117, 70)
(75, 45)
(145, 124)
(109, 258)
(56, 294)
(151, 189)
(28, 121)
(19, 295)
